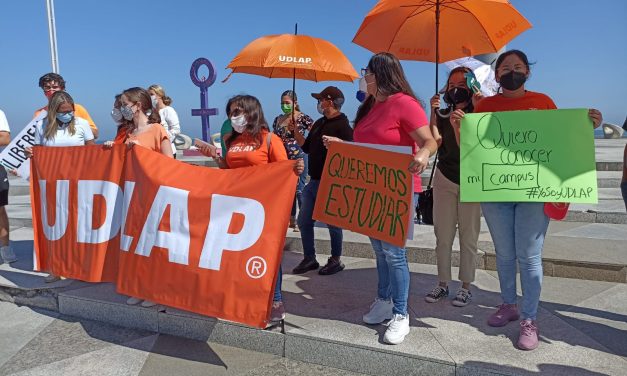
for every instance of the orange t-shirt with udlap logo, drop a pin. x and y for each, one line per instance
(530, 101)
(79, 111)
(245, 151)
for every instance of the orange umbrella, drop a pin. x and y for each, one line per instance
(293, 56)
(439, 30)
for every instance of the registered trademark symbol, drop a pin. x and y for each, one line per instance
(256, 267)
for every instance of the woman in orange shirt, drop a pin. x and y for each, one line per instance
(143, 128)
(251, 144)
(142, 122)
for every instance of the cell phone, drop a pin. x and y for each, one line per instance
(472, 83)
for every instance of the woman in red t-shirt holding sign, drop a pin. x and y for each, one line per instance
(392, 115)
(518, 228)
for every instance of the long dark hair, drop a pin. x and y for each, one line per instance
(141, 96)
(390, 79)
(255, 120)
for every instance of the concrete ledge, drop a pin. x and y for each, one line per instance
(609, 166)
(236, 335)
(361, 359)
(486, 260)
(101, 303)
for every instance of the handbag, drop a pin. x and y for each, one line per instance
(424, 208)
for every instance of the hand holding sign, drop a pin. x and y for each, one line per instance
(420, 162)
(327, 140)
(206, 148)
(596, 117)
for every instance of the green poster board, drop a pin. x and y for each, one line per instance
(528, 156)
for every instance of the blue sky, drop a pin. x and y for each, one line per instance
(107, 46)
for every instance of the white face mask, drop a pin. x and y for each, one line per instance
(363, 85)
(116, 115)
(154, 100)
(238, 123)
(371, 88)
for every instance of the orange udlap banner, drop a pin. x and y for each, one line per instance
(366, 190)
(190, 237)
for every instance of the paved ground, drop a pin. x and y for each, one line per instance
(38, 342)
(583, 329)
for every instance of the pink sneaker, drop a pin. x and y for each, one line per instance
(528, 339)
(505, 314)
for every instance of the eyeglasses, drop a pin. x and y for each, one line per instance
(365, 72)
(51, 87)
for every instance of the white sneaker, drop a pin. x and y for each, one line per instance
(462, 298)
(7, 254)
(148, 303)
(398, 328)
(133, 300)
(380, 311)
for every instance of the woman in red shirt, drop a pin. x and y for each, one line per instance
(251, 144)
(517, 228)
(392, 115)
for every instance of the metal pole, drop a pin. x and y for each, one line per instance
(294, 83)
(52, 32)
(437, 42)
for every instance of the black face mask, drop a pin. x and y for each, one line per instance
(457, 95)
(513, 80)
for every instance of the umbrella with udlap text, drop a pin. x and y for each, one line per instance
(293, 56)
(439, 30)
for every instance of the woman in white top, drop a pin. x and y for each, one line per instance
(61, 128)
(169, 118)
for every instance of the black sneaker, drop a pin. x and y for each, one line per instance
(306, 265)
(436, 294)
(333, 266)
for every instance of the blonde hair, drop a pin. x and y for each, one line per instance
(161, 93)
(56, 101)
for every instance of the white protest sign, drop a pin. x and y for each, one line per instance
(13, 157)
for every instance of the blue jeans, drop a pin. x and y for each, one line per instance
(393, 273)
(306, 223)
(300, 185)
(277, 287)
(518, 231)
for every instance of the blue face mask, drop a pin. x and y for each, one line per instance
(65, 117)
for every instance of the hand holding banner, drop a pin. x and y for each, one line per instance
(367, 191)
(528, 156)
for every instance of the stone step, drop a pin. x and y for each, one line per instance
(579, 250)
(582, 334)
